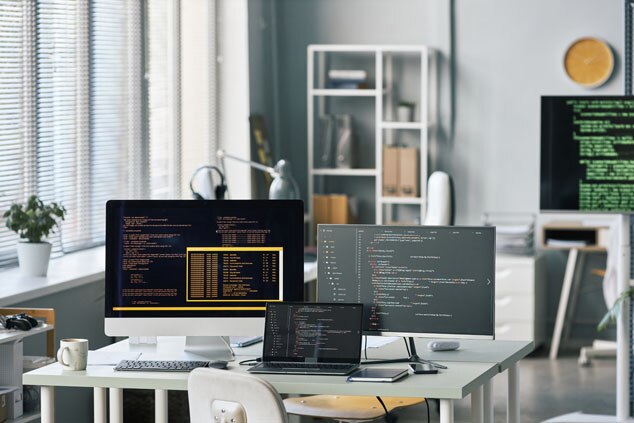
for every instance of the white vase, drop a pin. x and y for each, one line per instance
(33, 258)
(404, 113)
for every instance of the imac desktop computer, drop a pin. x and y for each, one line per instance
(414, 281)
(203, 269)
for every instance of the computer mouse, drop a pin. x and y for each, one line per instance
(17, 323)
(218, 365)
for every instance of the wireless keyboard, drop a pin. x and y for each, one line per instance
(167, 366)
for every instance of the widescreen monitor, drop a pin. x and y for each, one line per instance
(200, 268)
(587, 154)
(419, 281)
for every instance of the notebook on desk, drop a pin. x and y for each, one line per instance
(305, 338)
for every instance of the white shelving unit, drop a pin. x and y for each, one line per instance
(384, 126)
(13, 336)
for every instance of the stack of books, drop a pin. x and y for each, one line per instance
(347, 79)
(514, 232)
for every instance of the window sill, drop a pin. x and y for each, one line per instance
(64, 273)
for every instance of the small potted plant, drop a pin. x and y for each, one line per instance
(405, 111)
(34, 221)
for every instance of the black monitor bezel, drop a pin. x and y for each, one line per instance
(355, 359)
(545, 189)
(488, 336)
(295, 207)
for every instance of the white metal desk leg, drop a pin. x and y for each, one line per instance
(99, 413)
(477, 413)
(47, 399)
(487, 400)
(513, 400)
(446, 411)
(116, 405)
(563, 302)
(160, 406)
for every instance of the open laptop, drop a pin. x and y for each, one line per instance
(311, 338)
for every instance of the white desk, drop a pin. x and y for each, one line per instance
(463, 377)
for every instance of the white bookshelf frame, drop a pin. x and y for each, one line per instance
(383, 96)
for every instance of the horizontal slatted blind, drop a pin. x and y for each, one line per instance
(14, 15)
(71, 113)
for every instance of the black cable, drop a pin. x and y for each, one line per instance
(407, 346)
(250, 361)
(427, 406)
(387, 413)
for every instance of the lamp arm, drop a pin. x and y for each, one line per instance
(221, 154)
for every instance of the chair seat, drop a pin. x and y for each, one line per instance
(344, 407)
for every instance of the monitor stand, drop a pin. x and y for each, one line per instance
(216, 348)
(413, 358)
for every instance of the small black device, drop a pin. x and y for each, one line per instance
(13, 322)
(30, 319)
(422, 368)
(167, 366)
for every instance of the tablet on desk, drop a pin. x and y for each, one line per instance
(368, 374)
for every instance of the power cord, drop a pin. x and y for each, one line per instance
(427, 406)
(388, 417)
(407, 346)
(250, 362)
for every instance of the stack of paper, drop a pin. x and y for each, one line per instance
(514, 232)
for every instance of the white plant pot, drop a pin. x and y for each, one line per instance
(404, 113)
(33, 258)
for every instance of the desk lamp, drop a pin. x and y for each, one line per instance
(283, 186)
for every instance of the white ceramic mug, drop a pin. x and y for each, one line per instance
(73, 353)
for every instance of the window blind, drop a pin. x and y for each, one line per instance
(14, 113)
(90, 106)
(71, 112)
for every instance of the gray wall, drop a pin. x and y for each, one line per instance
(507, 54)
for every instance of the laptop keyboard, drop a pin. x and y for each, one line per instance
(328, 366)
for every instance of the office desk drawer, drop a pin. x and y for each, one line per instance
(514, 278)
(515, 331)
(514, 307)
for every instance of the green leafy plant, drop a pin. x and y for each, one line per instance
(407, 104)
(611, 315)
(34, 220)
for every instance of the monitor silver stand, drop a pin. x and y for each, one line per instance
(413, 358)
(216, 348)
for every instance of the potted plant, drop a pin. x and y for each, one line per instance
(34, 221)
(405, 111)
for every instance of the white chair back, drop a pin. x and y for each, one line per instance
(221, 396)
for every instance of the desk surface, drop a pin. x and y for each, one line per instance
(456, 382)
(503, 353)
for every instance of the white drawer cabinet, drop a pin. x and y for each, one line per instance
(520, 298)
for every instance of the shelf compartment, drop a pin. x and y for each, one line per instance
(26, 417)
(402, 200)
(345, 172)
(403, 125)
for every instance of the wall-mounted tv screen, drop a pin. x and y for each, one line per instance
(587, 154)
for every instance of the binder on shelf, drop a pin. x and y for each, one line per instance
(408, 172)
(390, 171)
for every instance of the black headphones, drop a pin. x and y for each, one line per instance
(219, 190)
